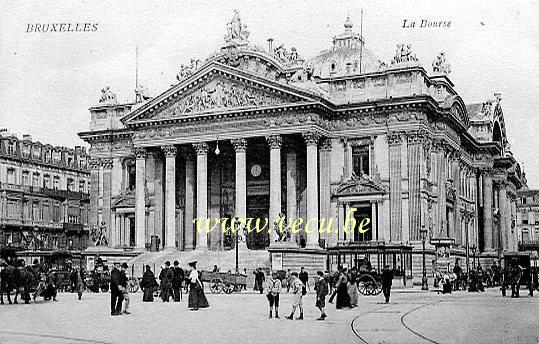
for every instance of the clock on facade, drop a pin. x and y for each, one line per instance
(256, 170)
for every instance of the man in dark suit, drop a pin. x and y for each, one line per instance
(165, 277)
(304, 277)
(387, 282)
(116, 295)
(177, 280)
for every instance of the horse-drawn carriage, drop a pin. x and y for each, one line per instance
(226, 282)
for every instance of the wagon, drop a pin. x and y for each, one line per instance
(369, 284)
(223, 281)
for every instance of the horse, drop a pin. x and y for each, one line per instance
(16, 278)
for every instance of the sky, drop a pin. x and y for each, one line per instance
(49, 80)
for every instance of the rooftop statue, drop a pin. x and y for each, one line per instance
(141, 93)
(236, 31)
(439, 65)
(188, 70)
(107, 96)
(404, 54)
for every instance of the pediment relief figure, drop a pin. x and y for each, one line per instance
(360, 185)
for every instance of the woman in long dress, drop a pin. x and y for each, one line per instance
(197, 299)
(352, 290)
(148, 284)
(343, 298)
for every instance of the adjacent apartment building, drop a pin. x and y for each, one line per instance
(44, 197)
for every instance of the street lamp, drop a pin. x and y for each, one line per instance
(424, 281)
(473, 257)
(237, 239)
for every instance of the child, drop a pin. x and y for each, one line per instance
(297, 300)
(274, 289)
(322, 290)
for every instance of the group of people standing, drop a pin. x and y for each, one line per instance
(172, 281)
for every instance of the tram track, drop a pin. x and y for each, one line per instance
(67, 339)
(402, 321)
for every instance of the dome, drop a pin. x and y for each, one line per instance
(348, 56)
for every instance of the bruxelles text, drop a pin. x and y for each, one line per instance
(281, 225)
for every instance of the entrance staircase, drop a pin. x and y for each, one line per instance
(206, 259)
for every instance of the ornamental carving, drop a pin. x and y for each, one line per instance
(236, 32)
(394, 138)
(95, 164)
(325, 144)
(106, 163)
(363, 185)
(439, 65)
(274, 141)
(404, 54)
(188, 70)
(415, 137)
(140, 153)
(169, 150)
(311, 138)
(201, 148)
(218, 95)
(240, 145)
(107, 96)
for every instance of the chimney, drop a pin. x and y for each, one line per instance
(27, 137)
(270, 46)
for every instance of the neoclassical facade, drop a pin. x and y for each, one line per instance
(265, 133)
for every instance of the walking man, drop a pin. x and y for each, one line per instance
(177, 279)
(274, 290)
(322, 289)
(387, 281)
(165, 277)
(298, 289)
(304, 277)
(116, 295)
(123, 285)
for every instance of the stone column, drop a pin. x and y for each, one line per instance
(313, 235)
(240, 147)
(140, 198)
(107, 194)
(325, 185)
(487, 209)
(189, 200)
(504, 215)
(457, 230)
(274, 142)
(415, 141)
(202, 194)
(395, 187)
(291, 186)
(442, 195)
(94, 193)
(170, 196)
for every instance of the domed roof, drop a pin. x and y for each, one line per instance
(348, 56)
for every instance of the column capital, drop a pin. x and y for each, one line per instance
(140, 153)
(95, 164)
(201, 148)
(106, 163)
(417, 136)
(487, 171)
(311, 138)
(274, 141)
(394, 138)
(325, 144)
(240, 145)
(169, 150)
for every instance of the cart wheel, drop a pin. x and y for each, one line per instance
(377, 289)
(216, 285)
(229, 288)
(133, 285)
(366, 285)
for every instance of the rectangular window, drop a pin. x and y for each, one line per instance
(56, 183)
(10, 176)
(81, 186)
(25, 178)
(525, 236)
(35, 179)
(70, 184)
(360, 160)
(47, 181)
(11, 148)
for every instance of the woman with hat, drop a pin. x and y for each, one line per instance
(148, 284)
(197, 299)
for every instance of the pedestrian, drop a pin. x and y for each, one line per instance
(125, 291)
(333, 284)
(387, 282)
(297, 299)
(73, 279)
(343, 298)
(515, 280)
(79, 282)
(197, 299)
(304, 277)
(504, 279)
(165, 277)
(177, 278)
(50, 290)
(148, 284)
(352, 289)
(479, 278)
(457, 270)
(288, 280)
(259, 280)
(322, 289)
(116, 295)
(274, 290)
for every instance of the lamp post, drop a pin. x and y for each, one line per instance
(237, 239)
(424, 281)
(473, 257)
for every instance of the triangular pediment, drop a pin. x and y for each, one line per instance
(358, 186)
(218, 88)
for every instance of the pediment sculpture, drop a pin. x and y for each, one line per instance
(236, 31)
(220, 95)
(360, 185)
(188, 70)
